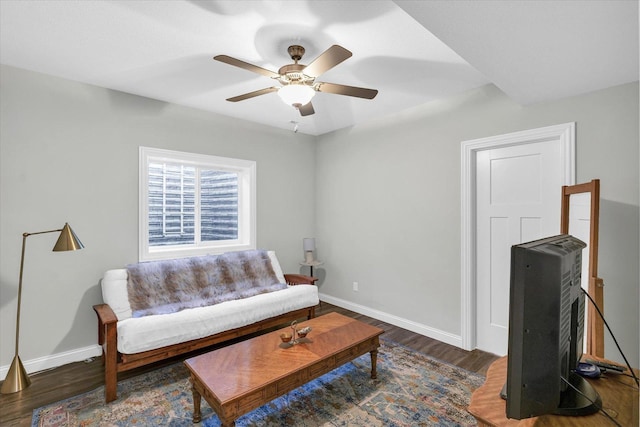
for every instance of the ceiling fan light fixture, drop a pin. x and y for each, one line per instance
(298, 82)
(293, 94)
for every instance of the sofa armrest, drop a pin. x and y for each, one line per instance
(108, 339)
(106, 317)
(299, 279)
(105, 314)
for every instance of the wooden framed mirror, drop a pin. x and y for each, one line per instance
(595, 325)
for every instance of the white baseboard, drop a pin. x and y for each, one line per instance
(55, 360)
(418, 328)
(77, 355)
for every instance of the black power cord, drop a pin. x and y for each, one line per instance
(612, 336)
(600, 409)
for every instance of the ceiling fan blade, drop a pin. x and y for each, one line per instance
(327, 60)
(306, 110)
(250, 67)
(253, 94)
(358, 92)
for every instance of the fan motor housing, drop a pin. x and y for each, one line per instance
(292, 73)
(292, 69)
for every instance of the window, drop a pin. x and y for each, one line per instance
(193, 204)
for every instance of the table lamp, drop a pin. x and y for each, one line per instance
(309, 245)
(17, 377)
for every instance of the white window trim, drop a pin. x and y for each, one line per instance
(247, 221)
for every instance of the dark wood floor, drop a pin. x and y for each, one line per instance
(75, 378)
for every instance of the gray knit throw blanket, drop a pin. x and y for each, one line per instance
(162, 287)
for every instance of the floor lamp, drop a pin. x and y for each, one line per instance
(17, 378)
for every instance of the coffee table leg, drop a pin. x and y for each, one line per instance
(374, 363)
(228, 423)
(197, 416)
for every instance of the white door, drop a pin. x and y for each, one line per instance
(511, 193)
(518, 200)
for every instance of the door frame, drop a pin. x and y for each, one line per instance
(564, 134)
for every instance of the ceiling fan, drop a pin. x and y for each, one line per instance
(298, 82)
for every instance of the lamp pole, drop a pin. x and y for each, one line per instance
(24, 244)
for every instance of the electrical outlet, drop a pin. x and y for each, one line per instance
(355, 286)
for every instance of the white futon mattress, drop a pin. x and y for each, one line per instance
(151, 332)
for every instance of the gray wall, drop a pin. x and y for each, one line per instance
(382, 199)
(388, 201)
(69, 152)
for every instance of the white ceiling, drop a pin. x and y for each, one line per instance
(413, 52)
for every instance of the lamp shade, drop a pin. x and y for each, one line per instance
(309, 244)
(293, 94)
(67, 241)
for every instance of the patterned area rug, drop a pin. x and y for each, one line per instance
(412, 389)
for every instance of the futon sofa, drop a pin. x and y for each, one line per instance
(159, 309)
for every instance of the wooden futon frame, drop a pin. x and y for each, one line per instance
(115, 362)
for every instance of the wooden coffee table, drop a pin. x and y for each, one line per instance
(244, 376)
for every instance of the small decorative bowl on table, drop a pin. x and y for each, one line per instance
(286, 337)
(304, 331)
